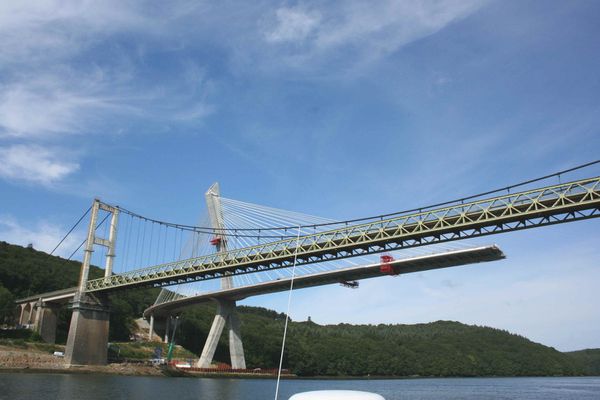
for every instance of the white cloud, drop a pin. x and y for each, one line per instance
(34, 164)
(46, 89)
(389, 25)
(32, 32)
(52, 104)
(45, 236)
(293, 24)
(54, 81)
(366, 30)
(65, 68)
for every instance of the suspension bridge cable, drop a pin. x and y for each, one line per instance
(225, 231)
(71, 230)
(507, 188)
(165, 241)
(127, 244)
(137, 241)
(142, 253)
(85, 240)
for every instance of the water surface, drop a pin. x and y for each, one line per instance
(21, 386)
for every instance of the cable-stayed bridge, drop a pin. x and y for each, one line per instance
(239, 240)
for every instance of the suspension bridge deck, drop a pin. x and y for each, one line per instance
(56, 296)
(402, 266)
(548, 205)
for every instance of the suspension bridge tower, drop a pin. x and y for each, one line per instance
(226, 309)
(87, 342)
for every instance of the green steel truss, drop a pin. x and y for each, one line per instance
(549, 205)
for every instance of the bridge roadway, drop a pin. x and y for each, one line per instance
(40, 312)
(57, 296)
(401, 266)
(548, 205)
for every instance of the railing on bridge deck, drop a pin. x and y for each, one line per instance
(537, 207)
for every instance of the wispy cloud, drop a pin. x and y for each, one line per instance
(76, 67)
(356, 33)
(293, 24)
(51, 105)
(44, 236)
(64, 71)
(35, 164)
(32, 32)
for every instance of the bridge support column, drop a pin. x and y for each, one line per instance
(226, 315)
(30, 315)
(167, 326)
(151, 329)
(87, 343)
(46, 320)
(21, 314)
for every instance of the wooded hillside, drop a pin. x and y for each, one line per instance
(442, 348)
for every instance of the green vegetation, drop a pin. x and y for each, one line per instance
(145, 350)
(441, 348)
(589, 358)
(25, 339)
(20, 334)
(26, 271)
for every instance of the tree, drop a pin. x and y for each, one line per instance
(7, 305)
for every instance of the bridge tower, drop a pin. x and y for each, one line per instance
(226, 309)
(87, 342)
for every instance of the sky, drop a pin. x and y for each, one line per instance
(338, 109)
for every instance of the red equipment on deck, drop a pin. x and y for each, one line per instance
(386, 267)
(216, 240)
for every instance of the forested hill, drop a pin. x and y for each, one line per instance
(25, 271)
(441, 348)
(589, 358)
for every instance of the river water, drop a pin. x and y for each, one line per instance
(24, 386)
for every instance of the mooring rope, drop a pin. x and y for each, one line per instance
(287, 315)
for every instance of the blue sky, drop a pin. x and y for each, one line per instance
(339, 110)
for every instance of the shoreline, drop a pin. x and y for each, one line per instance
(28, 360)
(126, 369)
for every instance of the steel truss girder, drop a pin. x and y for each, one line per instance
(549, 205)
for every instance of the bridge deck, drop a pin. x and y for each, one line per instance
(403, 266)
(549, 205)
(57, 296)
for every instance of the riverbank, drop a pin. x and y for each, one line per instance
(39, 358)
(30, 359)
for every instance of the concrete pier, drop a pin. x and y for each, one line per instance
(87, 343)
(167, 326)
(226, 315)
(46, 320)
(151, 329)
(26, 313)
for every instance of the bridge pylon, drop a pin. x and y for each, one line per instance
(87, 342)
(226, 309)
